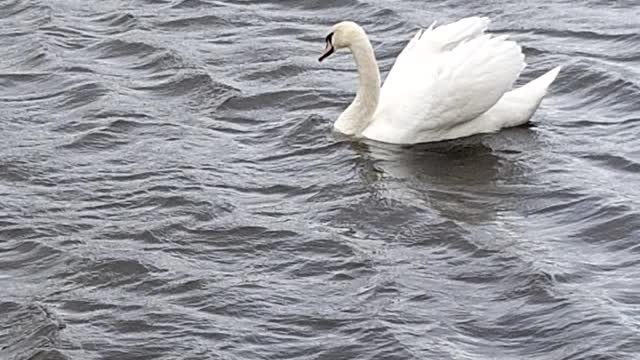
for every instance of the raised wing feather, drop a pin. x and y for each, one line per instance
(445, 77)
(434, 40)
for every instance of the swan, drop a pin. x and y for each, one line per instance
(449, 81)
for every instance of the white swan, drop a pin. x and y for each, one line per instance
(450, 81)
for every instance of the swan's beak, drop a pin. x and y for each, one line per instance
(328, 50)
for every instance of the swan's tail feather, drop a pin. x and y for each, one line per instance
(538, 87)
(546, 79)
(526, 99)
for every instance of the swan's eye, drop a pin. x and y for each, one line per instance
(329, 38)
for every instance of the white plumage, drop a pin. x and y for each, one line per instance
(449, 81)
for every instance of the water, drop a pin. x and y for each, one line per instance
(171, 189)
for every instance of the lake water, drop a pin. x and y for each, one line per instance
(171, 188)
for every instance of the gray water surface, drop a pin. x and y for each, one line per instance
(170, 188)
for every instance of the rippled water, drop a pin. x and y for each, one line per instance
(171, 189)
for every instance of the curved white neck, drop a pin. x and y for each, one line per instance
(359, 114)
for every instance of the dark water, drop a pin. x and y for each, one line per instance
(171, 189)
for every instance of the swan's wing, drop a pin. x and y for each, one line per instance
(440, 82)
(435, 40)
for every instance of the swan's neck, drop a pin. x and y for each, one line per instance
(360, 113)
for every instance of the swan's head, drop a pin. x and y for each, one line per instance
(342, 35)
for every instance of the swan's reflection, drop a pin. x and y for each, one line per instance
(466, 181)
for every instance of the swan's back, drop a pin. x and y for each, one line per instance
(445, 77)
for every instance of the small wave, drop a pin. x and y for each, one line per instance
(101, 139)
(186, 84)
(125, 125)
(120, 21)
(108, 272)
(25, 82)
(60, 93)
(118, 48)
(161, 60)
(265, 100)
(298, 153)
(106, 114)
(598, 87)
(286, 190)
(194, 4)
(301, 131)
(26, 254)
(66, 38)
(192, 23)
(318, 5)
(26, 55)
(181, 286)
(586, 35)
(26, 13)
(81, 95)
(37, 335)
(199, 88)
(617, 162)
(279, 71)
(14, 170)
(12, 8)
(613, 228)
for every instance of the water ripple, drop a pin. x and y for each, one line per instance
(172, 188)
